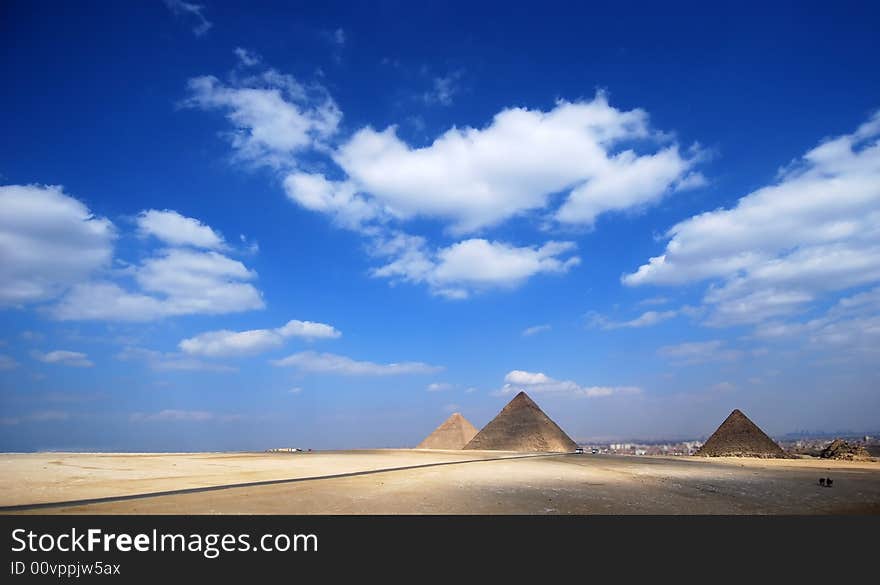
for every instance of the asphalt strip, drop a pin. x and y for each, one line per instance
(214, 488)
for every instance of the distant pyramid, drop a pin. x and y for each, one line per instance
(739, 437)
(522, 426)
(454, 433)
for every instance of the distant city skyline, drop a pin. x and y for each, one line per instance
(330, 226)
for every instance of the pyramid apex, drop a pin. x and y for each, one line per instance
(453, 433)
(520, 397)
(522, 426)
(738, 435)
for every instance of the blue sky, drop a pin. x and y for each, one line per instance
(331, 225)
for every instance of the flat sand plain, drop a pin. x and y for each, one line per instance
(433, 482)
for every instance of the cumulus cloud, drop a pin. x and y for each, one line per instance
(646, 319)
(273, 115)
(191, 9)
(699, 352)
(534, 330)
(309, 330)
(177, 230)
(230, 343)
(64, 357)
(172, 282)
(439, 386)
(538, 382)
(49, 241)
(569, 165)
(783, 246)
(338, 199)
(53, 246)
(471, 265)
(311, 361)
(226, 343)
(169, 362)
(851, 326)
(475, 178)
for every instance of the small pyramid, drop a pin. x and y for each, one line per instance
(522, 426)
(740, 437)
(454, 433)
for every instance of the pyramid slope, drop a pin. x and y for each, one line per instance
(522, 426)
(740, 437)
(454, 433)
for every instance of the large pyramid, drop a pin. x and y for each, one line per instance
(739, 437)
(454, 433)
(522, 426)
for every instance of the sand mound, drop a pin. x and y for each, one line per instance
(840, 449)
(522, 426)
(454, 433)
(740, 437)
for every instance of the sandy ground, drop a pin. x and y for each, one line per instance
(495, 484)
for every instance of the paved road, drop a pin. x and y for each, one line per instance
(214, 488)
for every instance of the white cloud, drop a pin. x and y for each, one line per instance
(851, 327)
(311, 361)
(309, 330)
(438, 386)
(52, 245)
(295, 390)
(230, 343)
(177, 230)
(598, 158)
(538, 382)
(783, 246)
(246, 57)
(7, 362)
(225, 343)
(471, 265)
(273, 116)
(169, 362)
(339, 199)
(699, 352)
(48, 242)
(534, 330)
(172, 282)
(476, 178)
(181, 7)
(646, 319)
(523, 378)
(64, 357)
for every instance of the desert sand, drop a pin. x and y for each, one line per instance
(434, 482)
